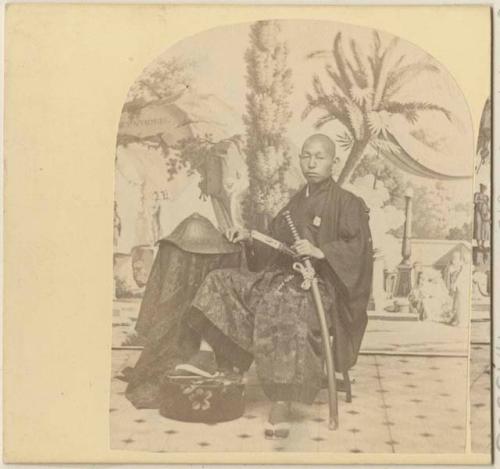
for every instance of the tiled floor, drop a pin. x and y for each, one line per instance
(401, 403)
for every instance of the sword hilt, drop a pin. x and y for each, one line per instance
(295, 234)
(291, 225)
(305, 267)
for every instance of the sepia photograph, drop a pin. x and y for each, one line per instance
(248, 234)
(301, 248)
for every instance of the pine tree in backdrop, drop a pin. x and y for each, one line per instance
(267, 115)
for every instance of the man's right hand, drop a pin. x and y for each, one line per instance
(236, 234)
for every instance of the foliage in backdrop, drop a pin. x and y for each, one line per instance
(268, 113)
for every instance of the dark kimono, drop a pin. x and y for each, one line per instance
(264, 315)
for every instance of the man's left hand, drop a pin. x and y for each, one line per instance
(304, 247)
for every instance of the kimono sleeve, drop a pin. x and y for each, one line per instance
(349, 256)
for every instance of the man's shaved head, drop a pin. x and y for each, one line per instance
(317, 158)
(323, 140)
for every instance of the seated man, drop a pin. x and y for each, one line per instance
(265, 316)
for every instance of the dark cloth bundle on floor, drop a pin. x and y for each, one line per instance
(184, 258)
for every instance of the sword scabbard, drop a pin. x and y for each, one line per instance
(311, 282)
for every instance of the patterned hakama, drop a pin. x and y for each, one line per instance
(265, 316)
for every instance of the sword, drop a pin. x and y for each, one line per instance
(274, 243)
(306, 268)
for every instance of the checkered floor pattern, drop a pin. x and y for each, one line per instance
(413, 403)
(400, 405)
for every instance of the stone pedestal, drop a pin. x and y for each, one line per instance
(404, 281)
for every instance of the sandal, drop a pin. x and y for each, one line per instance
(278, 424)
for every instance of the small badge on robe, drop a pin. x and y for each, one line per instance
(317, 221)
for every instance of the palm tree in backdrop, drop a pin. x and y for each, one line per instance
(362, 95)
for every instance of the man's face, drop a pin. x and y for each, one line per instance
(316, 164)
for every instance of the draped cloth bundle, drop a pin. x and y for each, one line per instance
(184, 258)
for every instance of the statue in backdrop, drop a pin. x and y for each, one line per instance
(482, 216)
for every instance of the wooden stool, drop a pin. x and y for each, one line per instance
(342, 386)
